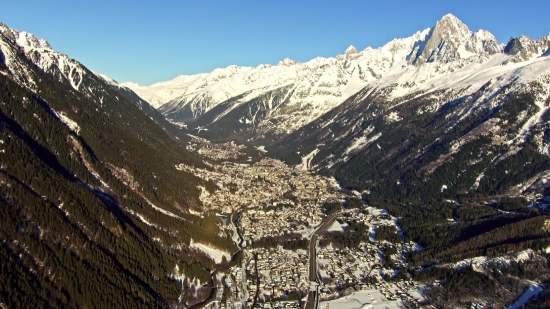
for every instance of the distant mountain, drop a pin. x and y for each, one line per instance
(392, 119)
(267, 102)
(444, 126)
(451, 40)
(91, 201)
(310, 89)
(525, 48)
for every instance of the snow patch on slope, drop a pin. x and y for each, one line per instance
(306, 160)
(216, 254)
(67, 121)
(530, 292)
(41, 54)
(362, 141)
(482, 262)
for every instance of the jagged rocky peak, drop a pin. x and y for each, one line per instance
(483, 41)
(6, 31)
(525, 48)
(443, 40)
(452, 28)
(450, 39)
(23, 39)
(287, 62)
(351, 50)
(28, 40)
(513, 47)
(518, 45)
(225, 72)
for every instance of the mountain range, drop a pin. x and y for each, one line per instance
(270, 101)
(331, 114)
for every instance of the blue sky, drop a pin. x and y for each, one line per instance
(152, 41)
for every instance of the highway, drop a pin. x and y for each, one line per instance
(312, 297)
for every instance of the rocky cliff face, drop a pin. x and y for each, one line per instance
(525, 48)
(451, 40)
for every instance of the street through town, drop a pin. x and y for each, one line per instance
(312, 297)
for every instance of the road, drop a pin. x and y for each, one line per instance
(314, 293)
(257, 281)
(235, 217)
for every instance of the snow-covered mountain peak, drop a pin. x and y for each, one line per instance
(328, 76)
(451, 40)
(351, 50)
(227, 72)
(483, 42)
(278, 99)
(404, 44)
(41, 54)
(263, 66)
(525, 48)
(286, 62)
(451, 21)
(485, 35)
(130, 85)
(27, 40)
(452, 30)
(106, 78)
(24, 39)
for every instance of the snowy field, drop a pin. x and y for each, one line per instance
(337, 227)
(216, 254)
(481, 262)
(368, 299)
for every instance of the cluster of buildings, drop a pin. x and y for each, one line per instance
(277, 198)
(281, 273)
(361, 269)
(224, 151)
(273, 199)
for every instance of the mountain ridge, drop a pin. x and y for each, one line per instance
(158, 101)
(323, 83)
(441, 56)
(90, 192)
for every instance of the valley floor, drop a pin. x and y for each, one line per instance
(275, 212)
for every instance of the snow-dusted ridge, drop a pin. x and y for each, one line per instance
(448, 55)
(42, 54)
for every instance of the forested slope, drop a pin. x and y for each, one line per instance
(93, 211)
